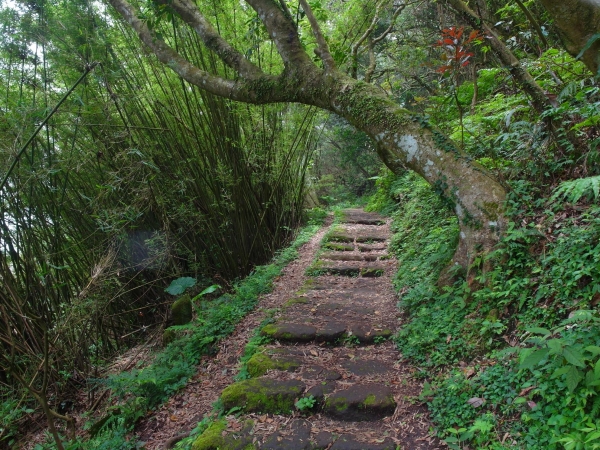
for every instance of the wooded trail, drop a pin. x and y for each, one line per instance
(324, 373)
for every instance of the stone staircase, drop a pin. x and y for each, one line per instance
(330, 377)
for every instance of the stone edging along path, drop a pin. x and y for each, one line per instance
(330, 377)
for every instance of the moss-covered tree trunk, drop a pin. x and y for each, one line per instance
(577, 21)
(403, 140)
(407, 141)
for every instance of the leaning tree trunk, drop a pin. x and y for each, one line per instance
(407, 141)
(403, 140)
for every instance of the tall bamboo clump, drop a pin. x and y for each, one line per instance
(138, 178)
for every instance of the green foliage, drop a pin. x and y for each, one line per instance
(305, 403)
(544, 396)
(573, 190)
(179, 286)
(11, 410)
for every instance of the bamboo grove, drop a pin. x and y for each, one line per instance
(138, 178)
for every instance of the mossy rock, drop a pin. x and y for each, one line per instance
(263, 395)
(260, 363)
(215, 437)
(181, 310)
(168, 336)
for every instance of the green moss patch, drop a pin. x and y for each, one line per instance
(260, 363)
(217, 438)
(181, 310)
(263, 395)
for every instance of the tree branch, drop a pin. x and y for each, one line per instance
(236, 90)
(323, 49)
(360, 41)
(372, 62)
(389, 29)
(190, 14)
(283, 32)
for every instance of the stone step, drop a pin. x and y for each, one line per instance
(348, 268)
(263, 395)
(340, 247)
(356, 403)
(361, 402)
(358, 216)
(364, 221)
(343, 256)
(333, 333)
(361, 236)
(371, 247)
(296, 434)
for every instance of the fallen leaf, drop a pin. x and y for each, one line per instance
(448, 339)
(314, 353)
(531, 404)
(476, 402)
(173, 418)
(526, 391)
(468, 372)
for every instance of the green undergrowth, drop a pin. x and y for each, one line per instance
(512, 357)
(140, 390)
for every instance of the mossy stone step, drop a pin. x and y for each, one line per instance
(370, 238)
(359, 216)
(329, 331)
(217, 437)
(361, 402)
(340, 236)
(341, 256)
(263, 395)
(294, 332)
(363, 220)
(348, 268)
(365, 248)
(260, 363)
(369, 334)
(340, 247)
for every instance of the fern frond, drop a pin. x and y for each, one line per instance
(573, 190)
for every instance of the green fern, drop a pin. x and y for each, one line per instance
(573, 190)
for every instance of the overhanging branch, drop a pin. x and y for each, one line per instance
(240, 90)
(323, 49)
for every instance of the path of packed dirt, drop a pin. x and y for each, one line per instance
(330, 346)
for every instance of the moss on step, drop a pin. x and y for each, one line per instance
(260, 363)
(215, 437)
(262, 395)
(339, 247)
(295, 301)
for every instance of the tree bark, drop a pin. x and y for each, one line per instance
(577, 21)
(403, 140)
(519, 73)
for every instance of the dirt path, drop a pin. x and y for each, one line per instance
(329, 349)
